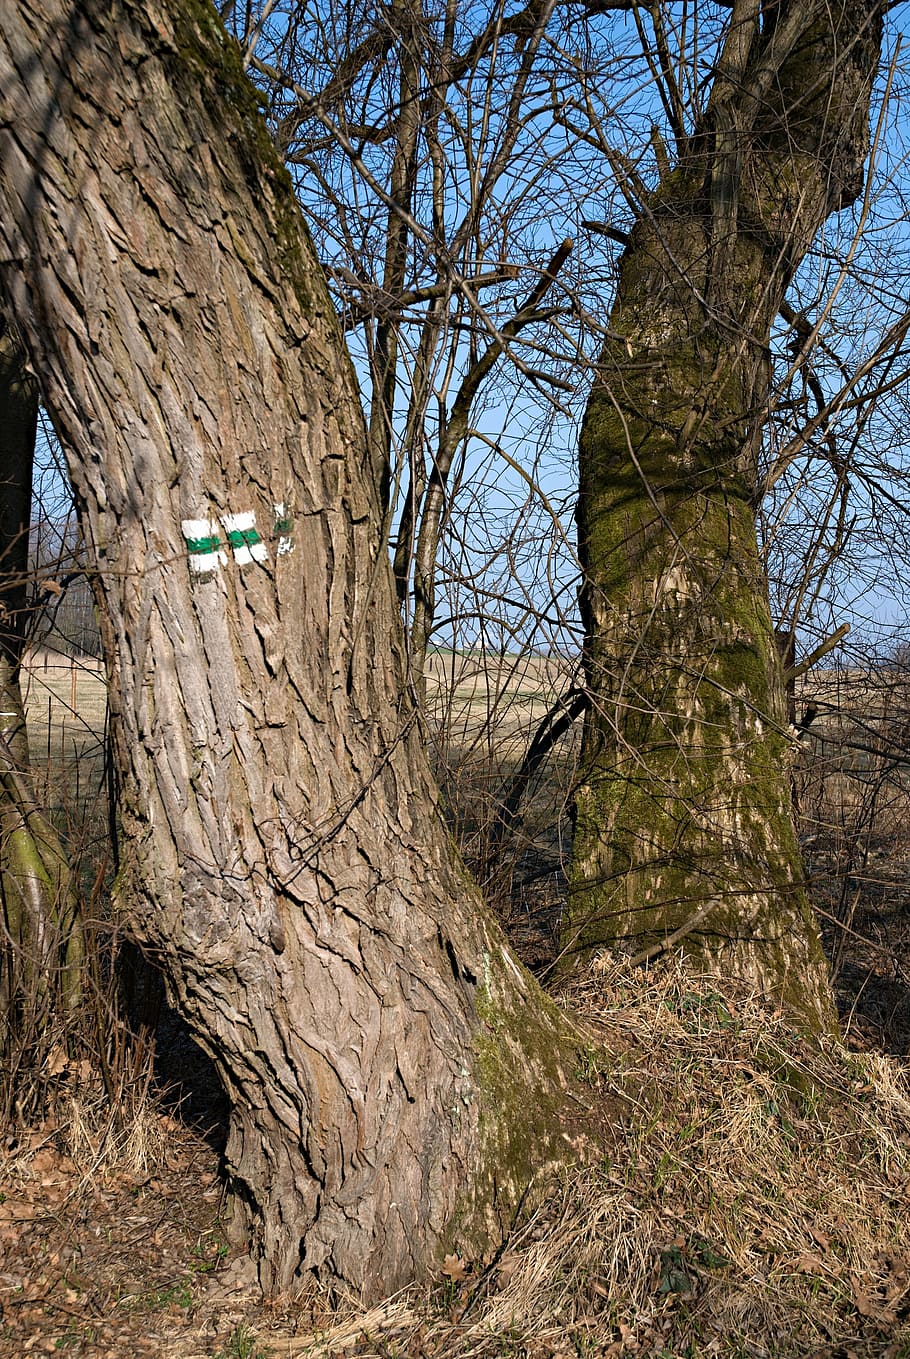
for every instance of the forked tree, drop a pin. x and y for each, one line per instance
(684, 828)
(394, 1076)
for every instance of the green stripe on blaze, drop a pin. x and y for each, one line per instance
(196, 545)
(243, 537)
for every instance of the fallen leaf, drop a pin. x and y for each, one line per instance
(17, 1210)
(45, 1160)
(811, 1264)
(454, 1268)
(506, 1268)
(57, 1060)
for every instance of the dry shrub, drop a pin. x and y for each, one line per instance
(80, 1053)
(81, 1084)
(96, 1139)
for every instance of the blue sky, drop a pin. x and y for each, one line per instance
(513, 497)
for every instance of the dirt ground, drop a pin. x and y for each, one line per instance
(108, 1263)
(101, 1259)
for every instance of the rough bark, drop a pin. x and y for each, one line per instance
(683, 822)
(393, 1074)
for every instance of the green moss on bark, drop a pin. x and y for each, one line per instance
(523, 1054)
(683, 816)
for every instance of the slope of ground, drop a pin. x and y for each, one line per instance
(745, 1194)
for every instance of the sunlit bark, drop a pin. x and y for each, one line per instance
(394, 1075)
(684, 828)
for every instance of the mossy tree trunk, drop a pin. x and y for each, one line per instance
(684, 823)
(395, 1077)
(41, 953)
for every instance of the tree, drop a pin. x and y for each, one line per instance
(683, 820)
(394, 1076)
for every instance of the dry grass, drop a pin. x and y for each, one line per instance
(98, 1139)
(747, 1196)
(753, 1201)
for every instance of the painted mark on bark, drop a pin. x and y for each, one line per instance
(283, 529)
(203, 538)
(204, 546)
(244, 539)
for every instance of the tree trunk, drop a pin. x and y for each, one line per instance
(394, 1075)
(684, 831)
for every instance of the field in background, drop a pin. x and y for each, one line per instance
(66, 697)
(851, 778)
(476, 696)
(66, 710)
(66, 707)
